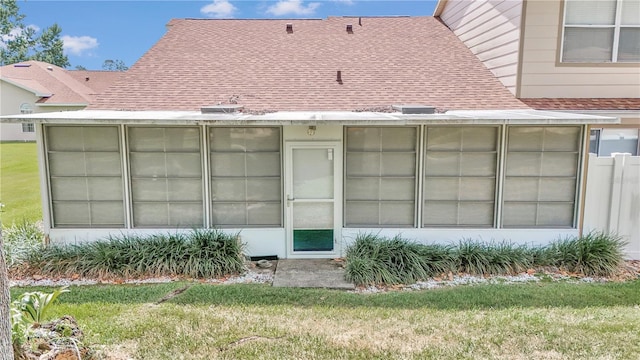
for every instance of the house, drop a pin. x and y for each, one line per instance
(579, 57)
(300, 134)
(36, 87)
(573, 55)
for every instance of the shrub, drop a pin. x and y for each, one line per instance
(373, 259)
(21, 240)
(198, 254)
(493, 258)
(593, 254)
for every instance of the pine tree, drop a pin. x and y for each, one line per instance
(19, 42)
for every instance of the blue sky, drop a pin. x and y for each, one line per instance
(94, 31)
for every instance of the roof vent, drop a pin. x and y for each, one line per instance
(50, 68)
(339, 77)
(21, 65)
(414, 109)
(290, 28)
(350, 29)
(221, 109)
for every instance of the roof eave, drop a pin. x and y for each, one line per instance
(62, 104)
(439, 8)
(23, 87)
(462, 117)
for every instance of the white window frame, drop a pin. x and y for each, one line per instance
(616, 35)
(28, 128)
(130, 178)
(209, 180)
(416, 176)
(50, 200)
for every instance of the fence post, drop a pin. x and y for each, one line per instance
(619, 160)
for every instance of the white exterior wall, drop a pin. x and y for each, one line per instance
(542, 75)
(491, 30)
(11, 97)
(612, 202)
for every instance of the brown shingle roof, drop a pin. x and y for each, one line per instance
(583, 103)
(64, 86)
(256, 63)
(98, 81)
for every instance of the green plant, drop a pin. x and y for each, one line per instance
(373, 259)
(33, 306)
(593, 254)
(27, 312)
(198, 254)
(21, 240)
(379, 260)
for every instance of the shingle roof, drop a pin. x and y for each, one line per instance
(63, 86)
(256, 63)
(97, 80)
(583, 103)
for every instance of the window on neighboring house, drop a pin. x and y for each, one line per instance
(380, 177)
(85, 176)
(540, 176)
(601, 31)
(28, 128)
(594, 141)
(460, 176)
(614, 140)
(166, 176)
(245, 170)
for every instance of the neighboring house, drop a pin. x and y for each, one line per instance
(579, 57)
(574, 55)
(301, 134)
(36, 87)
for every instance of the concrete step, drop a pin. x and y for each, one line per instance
(311, 273)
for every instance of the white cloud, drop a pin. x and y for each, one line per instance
(219, 9)
(77, 45)
(346, 2)
(294, 7)
(15, 32)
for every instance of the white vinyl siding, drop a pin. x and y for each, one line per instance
(460, 165)
(540, 176)
(166, 176)
(544, 77)
(245, 168)
(380, 176)
(85, 176)
(491, 30)
(601, 31)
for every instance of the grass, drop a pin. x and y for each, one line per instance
(19, 183)
(552, 320)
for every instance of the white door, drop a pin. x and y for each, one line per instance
(313, 189)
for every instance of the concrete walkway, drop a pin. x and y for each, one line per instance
(311, 273)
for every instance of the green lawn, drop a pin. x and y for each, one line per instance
(19, 183)
(530, 321)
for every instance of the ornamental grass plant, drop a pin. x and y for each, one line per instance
(374, 259)
(201, 253)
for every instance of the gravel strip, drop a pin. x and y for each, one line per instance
(460, 280)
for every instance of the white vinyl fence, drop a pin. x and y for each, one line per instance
(612, 202)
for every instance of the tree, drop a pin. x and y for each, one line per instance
(114, 65)
(80, 67)
(6, 348)
(19, 42)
